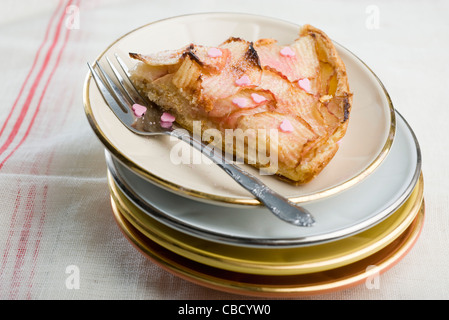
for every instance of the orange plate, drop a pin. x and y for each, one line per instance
(275, 286)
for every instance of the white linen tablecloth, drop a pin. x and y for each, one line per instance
(55, 216)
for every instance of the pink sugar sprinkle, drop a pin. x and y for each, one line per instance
(305, 85)
(286, 126)
(240, 102)
(243, 81)
(166, 125)
(214, 52)
(257, 98)
(139, 110)
(287, 52)
(167, 117)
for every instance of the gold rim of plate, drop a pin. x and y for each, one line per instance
(275, 286)
(272, 261)
(224, 199)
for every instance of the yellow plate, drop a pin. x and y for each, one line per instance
(273, 261)
(365, 270)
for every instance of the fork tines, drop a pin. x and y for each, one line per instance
(123, 90)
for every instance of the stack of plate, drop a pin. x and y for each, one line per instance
(196, 222)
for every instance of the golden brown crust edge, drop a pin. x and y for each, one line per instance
(321, 156)
(326, 50)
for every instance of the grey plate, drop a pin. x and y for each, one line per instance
(339, 216)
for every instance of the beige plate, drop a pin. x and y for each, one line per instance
(275, 286)
(279, 261)
(368, 139)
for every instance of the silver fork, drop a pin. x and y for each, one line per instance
(120, 95)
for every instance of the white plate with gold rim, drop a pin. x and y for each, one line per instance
(367, 142)
(342, 215)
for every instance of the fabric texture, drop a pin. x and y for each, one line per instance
(55, 215)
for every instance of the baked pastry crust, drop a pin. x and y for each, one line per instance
(304, 83)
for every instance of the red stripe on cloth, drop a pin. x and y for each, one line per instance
(36, 57)
(40, 100)
(10, 235)
(37, 242)
(36, 82)
(69, 102)
(40, 223)
(23, 241)
(25, 233)
(43, 215)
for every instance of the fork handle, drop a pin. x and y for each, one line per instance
(281, 207)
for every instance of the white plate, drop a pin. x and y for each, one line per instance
(342, 215)
(367, 142)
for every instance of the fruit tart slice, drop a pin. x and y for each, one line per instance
(300, 90)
